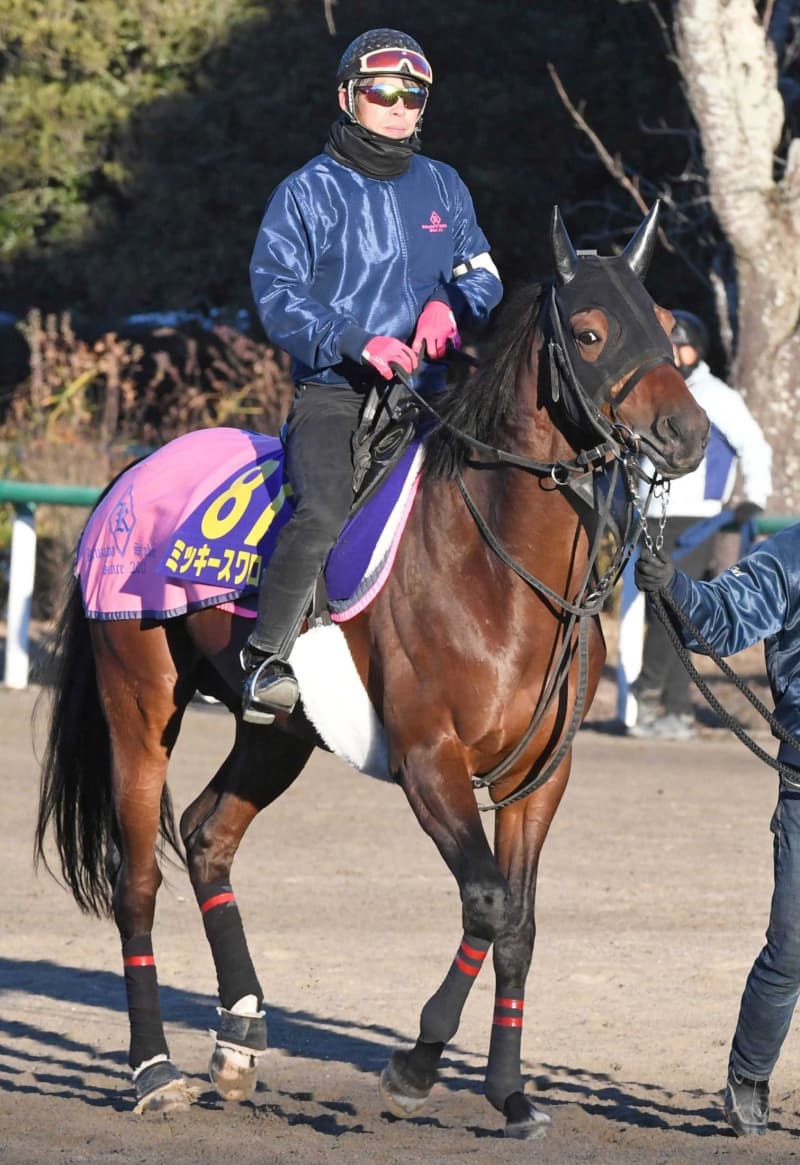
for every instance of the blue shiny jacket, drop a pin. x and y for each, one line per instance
(757, 598)
(340, 258)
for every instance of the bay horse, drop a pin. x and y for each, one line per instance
(479, 657)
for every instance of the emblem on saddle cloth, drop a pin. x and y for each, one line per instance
(192, 526)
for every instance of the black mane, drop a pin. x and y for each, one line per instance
(479, 406)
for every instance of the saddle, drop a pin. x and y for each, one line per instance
(388, 423)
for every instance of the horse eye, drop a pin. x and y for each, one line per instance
(587, 337)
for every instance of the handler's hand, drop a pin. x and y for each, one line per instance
(745, 512)
(652, 572)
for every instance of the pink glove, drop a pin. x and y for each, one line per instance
(436, 328)
(383, 351)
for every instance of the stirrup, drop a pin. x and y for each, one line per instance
(266, 694)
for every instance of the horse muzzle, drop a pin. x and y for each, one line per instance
(676, 443)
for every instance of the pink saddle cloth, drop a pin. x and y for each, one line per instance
(191, 526)
(185, 528)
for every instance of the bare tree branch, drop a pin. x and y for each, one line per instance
(613, 165)
(331, 23)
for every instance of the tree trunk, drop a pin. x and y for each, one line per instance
(731, 77)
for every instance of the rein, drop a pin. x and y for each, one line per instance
(560, 471)
(616, 441)
(588, 604)
(623, 446)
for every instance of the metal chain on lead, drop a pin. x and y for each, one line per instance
(658, 492)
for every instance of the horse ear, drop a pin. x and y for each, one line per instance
(566, 261)
(639, 250)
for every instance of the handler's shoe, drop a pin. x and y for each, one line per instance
(746, 1105)
(270, 687)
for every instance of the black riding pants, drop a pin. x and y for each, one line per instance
(319, 466)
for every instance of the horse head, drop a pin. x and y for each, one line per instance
(611, 365)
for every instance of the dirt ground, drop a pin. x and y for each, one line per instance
(654, 893)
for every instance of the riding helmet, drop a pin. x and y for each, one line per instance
(353, 65)
(690, 329)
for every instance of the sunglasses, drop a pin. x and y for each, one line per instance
(386, 95)
(397, 61)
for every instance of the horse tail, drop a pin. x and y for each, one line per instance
(76, 797)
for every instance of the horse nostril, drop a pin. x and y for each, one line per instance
(668, 430)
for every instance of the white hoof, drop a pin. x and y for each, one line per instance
(234, 1073)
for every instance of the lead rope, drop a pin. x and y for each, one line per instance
(665, 607)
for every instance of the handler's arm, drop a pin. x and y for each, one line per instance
(742, 606)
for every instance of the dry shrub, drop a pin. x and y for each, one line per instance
(91, 407)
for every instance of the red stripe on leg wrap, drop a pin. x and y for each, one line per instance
(472, 953)
(139, 961)
(466, 968)
(511, 1004)
(508, 1020)
(217, 900)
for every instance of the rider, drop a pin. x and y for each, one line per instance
(365, 259)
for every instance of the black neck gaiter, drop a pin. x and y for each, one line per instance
(371, 154)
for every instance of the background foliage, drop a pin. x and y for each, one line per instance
(140, 141)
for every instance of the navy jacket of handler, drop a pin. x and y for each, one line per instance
(758, 598)
(366, 260)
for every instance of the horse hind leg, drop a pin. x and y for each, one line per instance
(261, 765)
(138, 704)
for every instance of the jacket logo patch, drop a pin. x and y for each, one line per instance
(434, 224)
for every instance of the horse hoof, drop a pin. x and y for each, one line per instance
(240, 1042)
(524, 1121)
(401, 1097)
(233, 1073)
(161, 1088)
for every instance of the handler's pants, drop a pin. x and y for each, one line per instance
(773, 984)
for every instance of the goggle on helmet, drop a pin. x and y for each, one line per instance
(384, 50)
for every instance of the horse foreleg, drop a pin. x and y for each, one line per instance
(520, 832)
(261, 766)
(440, 792)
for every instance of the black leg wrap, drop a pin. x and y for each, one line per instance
(503, 1077)
(144, 1011)
(236, 976)
(418, 1068)
(441, 1014)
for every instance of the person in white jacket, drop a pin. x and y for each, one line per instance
(736, 442)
